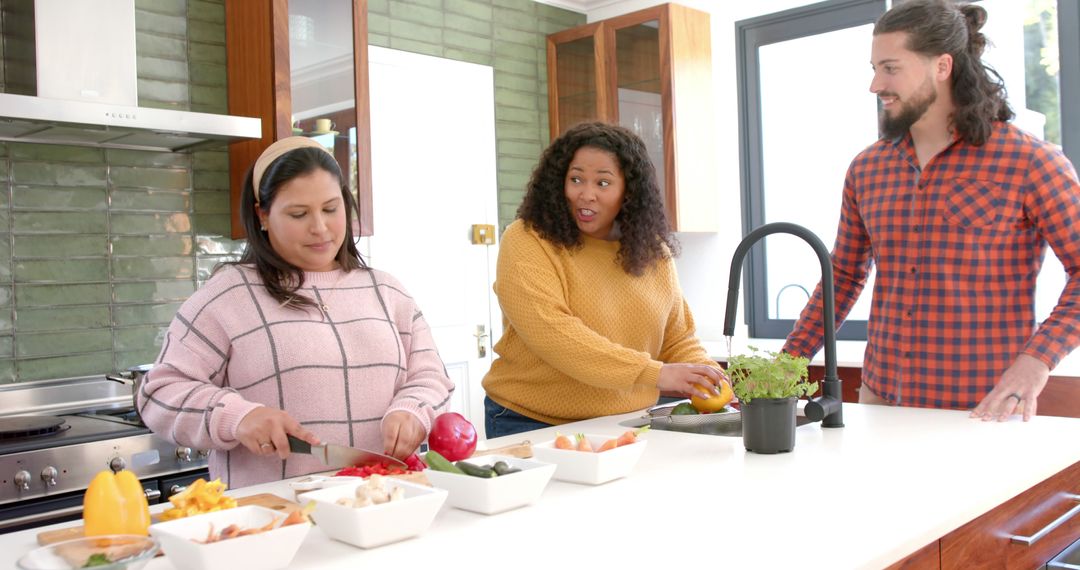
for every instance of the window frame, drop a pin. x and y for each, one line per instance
(751, 34)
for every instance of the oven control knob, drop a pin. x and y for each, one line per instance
(183, 453)
(22, 480)
(204, 453)
(117, 464)
(49, 475)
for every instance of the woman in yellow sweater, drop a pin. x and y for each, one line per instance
(594, 321)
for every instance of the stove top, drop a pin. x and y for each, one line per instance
(75, 429)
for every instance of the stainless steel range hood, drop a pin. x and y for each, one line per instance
(78, 83)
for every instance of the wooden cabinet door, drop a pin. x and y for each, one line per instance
(986, 541)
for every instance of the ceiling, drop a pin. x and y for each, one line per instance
(583, 6)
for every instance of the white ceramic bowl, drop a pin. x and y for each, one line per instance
(274, 548)
(497, 494)
(128, 551)
(375, 525)
(588, 467)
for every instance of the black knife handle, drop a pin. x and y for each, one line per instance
(297, 445)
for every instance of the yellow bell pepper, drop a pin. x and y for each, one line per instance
(115, 504)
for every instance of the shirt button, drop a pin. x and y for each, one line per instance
(918, 229)
(914, 270)
(909, 313)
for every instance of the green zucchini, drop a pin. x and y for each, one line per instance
(436, 461)
(503, 468)
(476, 470)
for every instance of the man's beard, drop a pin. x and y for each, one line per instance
(910, 112)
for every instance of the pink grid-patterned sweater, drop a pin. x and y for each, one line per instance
(232, 348)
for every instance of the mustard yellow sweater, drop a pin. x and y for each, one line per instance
(581, 337)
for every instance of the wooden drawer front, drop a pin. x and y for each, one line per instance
(926, 558)
(986, 541)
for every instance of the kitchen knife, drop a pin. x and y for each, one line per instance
(339, 456)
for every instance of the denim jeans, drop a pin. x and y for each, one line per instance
(500, 421)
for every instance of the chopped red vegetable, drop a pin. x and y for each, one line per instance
(413, 462)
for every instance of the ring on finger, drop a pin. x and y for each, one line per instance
(1015, 395)
(266, 445)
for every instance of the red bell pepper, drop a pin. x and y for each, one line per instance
(452, 436)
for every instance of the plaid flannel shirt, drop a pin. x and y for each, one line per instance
(957, 248)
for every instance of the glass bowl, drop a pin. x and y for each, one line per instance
(122, 551)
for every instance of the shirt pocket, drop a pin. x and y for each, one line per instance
(976, 204)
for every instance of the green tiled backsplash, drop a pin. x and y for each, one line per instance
(98, 248)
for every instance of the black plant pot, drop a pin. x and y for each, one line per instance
(768, 425)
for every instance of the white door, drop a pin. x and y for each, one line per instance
(433, 177)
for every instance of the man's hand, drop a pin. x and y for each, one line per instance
(402, 434)
(1018, 389)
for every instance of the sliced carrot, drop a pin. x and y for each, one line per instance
(563, 442)
(299, 515)
(609, 444)
(583, 443)
(631, 435)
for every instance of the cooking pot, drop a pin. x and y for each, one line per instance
(132, 376)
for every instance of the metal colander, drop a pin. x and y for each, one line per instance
(662, 413)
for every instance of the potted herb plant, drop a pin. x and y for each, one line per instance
(768, 385)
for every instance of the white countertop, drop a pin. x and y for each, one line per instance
(864, 496)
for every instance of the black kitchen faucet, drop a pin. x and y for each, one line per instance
(827, 408)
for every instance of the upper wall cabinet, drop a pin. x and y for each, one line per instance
(301, 65)
(644, 70)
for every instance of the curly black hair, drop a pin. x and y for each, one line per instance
(645, 236)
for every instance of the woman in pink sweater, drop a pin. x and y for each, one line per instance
(299, 337)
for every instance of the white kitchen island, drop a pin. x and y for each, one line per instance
(863, 496)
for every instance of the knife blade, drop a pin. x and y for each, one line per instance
(339, 456)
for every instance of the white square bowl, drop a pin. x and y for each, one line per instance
(497, 494)
(375, 525)
(272, 549)
(588, 467)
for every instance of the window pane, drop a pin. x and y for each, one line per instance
(817, 114)
(1024, 51)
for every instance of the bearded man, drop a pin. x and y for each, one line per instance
(955, 206)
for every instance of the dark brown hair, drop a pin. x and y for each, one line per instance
(937, 27)
(645, 236)
(281, 278)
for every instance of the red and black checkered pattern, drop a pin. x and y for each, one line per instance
(957, 248)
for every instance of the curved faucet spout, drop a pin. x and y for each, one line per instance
(827, 407)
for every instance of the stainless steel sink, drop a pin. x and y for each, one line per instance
(730, 429)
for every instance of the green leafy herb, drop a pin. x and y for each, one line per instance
(98, 559)
(765, 374)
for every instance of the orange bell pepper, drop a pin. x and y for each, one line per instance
(115, 504)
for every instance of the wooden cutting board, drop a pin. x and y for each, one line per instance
(267, 500)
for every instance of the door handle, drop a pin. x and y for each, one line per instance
(1029, 540)
(481, 344)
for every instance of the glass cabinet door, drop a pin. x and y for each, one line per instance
(574, 66)
(322, 78)
(637, 80)
(301, 65)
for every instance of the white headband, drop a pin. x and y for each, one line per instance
(273, 152)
